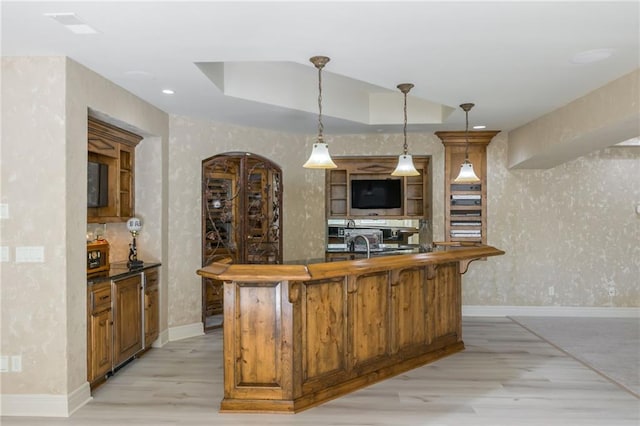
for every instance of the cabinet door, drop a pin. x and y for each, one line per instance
(151, 308)
(128, 318)
(262, 219)
(219, 213)
(100, 345)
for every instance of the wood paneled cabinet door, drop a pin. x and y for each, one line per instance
(114, 147)
(241, 208)
(99, 329)
(151, 307)
(128, 318)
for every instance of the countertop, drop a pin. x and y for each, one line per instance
(120, 270)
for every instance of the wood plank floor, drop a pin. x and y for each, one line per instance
(506, 376)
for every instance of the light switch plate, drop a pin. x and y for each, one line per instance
(4, 211)
(30, 254)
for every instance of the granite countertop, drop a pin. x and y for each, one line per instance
(119, 270)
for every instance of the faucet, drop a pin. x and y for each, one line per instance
(366, 241)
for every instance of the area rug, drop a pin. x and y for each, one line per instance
(610, 346)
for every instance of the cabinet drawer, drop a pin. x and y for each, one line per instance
(100, 298)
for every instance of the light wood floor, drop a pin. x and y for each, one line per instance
(506, 376)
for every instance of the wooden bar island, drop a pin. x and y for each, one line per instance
(298, 335)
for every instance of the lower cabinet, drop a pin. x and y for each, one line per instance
(122, 321)
(127, 324)
(151, 308)
(99, 327)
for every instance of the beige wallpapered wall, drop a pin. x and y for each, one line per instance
(45, 104)
(572, 227)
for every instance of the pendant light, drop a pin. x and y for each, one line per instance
(405, 165)
(466, 175)
(320, 158)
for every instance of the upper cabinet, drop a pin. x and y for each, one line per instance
(111, 177)
(364, 187)
(465, 205)
(241, 208)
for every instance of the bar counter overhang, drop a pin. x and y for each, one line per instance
(298, 335)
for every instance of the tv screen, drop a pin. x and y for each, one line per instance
(376, 193)
(97, 184)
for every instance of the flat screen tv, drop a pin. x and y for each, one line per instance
(376, 193)
(97, 184)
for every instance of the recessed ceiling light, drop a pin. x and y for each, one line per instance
(168, 91)
(480, 126)
(72, 23)
(590, 56)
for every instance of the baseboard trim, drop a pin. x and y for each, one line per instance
(163, 339)
(184, 331)
(549, 311)
(44, 405)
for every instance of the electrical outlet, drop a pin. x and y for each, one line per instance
(16, 363)
(552, 291)
(612, 291)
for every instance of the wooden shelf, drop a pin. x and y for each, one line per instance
(416, 190)
(455, 147)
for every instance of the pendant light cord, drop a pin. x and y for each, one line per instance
(405, 124)
(466, 136)
(320, 126)
(466, 108)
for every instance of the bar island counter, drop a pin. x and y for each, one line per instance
(297, 335)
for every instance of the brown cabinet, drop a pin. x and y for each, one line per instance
(122, 320)
(241, 216)
(127, 333)
(416, 190)
(465, 205)
(151, 307)
(115, 148)
(99, 332)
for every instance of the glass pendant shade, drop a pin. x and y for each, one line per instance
(320, 158)
(405, 166)
(466, 175)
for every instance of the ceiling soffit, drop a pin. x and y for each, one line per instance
(295, 86)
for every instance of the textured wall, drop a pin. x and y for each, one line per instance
(572, 227)
(33, 295)
(44, 153)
